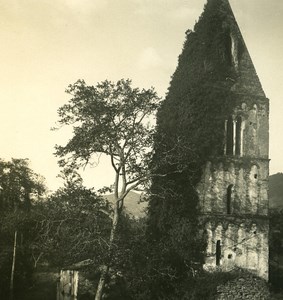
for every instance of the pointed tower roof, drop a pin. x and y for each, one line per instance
(216, 51)
(247, 79)
(214, 75)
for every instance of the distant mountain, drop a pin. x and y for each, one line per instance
(276, 191)
(134, 206)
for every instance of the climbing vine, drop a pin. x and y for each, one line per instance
(190, 130)
(190, 122)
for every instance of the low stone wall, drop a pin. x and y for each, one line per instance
(246, 287)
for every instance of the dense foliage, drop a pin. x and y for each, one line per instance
(19, 185)
(20, 188)
(72, 225)
(276, 250)
(146, 270)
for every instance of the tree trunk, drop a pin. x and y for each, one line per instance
(101, 284)
(13, 267)
(105, 270)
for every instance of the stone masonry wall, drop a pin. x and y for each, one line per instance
(233, 193)
(254, 112)
(249, 191)
(242, 245)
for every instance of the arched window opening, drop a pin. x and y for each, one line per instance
(254, 173)
(218, 252)
(228, 49)
(229, 198)
(238, 135)
(230, 137)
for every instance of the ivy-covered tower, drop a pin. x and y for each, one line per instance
(233, 190)
(215, 119)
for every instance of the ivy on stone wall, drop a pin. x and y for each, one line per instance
(190, 123)
(190, 130)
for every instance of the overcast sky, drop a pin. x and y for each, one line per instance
(47, 44)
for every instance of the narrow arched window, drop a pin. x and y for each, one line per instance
(218, 252)
(229, 198)
(238, 135)
(228, 49)
(230, 137)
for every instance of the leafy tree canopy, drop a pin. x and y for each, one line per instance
(20, 188)
(72, 225)
(112, 119)
(19, 184)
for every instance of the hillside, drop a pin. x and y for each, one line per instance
(276, 191)
(133, 204)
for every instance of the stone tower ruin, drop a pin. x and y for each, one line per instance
(213, 137)
(233, 190)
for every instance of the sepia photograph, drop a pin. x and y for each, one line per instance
(141, 150)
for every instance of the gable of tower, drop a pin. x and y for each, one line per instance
(245, 78)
